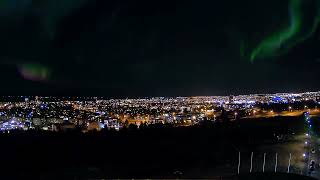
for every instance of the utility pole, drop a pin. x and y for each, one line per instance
(251, 162)
(289, 163)
(239, 163)
(264, 161)
(276, 164)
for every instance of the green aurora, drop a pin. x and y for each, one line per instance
(283, 40)
(35, 72)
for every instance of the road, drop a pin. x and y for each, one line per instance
(299, 145)
(312, 143)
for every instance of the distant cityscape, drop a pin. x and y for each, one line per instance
(97, 113)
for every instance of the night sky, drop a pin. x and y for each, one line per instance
(129, 48)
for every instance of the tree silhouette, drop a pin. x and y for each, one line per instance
(132, 127)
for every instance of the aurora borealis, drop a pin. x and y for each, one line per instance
(125, 47)
(34, 72)
(281, 41)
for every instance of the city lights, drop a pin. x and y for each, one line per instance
(52, 113)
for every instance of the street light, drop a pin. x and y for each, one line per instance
(290, 108)
(235, 115)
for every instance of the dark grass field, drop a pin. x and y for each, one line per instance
(159, 151)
